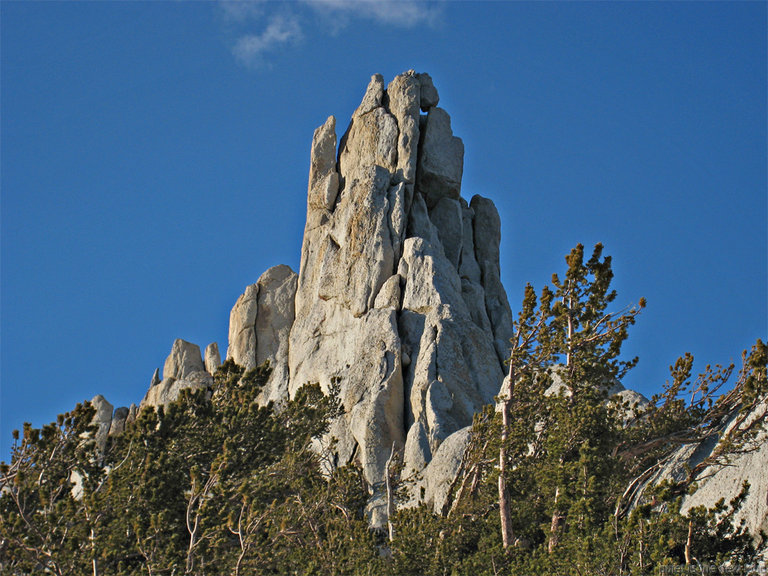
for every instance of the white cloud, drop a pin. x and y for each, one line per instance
(241, 10)
(395, 12)
(260, 27)
(281, 30)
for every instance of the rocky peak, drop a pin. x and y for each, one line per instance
(398, 293)
(399, 299)
(183, 360)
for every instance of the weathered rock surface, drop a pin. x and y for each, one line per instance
(184, 359)
(242, 328)
(212, 358)
(184, 368)
(716, 482)
(437, 477)
(454, 371)
(260, 324)
(390, 298)
(102, 418)
(441, 162)
(170, 388)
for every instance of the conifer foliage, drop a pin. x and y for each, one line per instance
(568, 469)
(558, 478)
(213, 484)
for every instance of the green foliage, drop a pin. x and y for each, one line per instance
(576, 466)
(41, 528)
(216, 483)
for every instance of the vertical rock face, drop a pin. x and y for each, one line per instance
(259, 326)
(398, 294)
(212, 358)
(242, 328)
(183, 360)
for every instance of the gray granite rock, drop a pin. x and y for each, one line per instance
(184, 360)
(183, 368)
(212, 358)
(441, 159)
(103, 419)
(117, 426)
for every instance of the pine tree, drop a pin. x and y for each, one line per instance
(571, 325)
(47, 522)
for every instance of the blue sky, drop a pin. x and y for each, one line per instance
(155, 158)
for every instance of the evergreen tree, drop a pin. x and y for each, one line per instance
(573, 463)
(48, 522)
(558, 480)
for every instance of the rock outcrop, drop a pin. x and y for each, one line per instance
(399, 300)
(103, 419)
(212, 358)
(259, 328)
(398, 296)
(184, 368)
(725, 481)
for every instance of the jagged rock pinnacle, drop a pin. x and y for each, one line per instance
(391, 296)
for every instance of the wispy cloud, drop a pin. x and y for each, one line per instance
(392, 12)
(261, 27)
(241, 10)
(251, 49)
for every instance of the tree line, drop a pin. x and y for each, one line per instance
(559, 477)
